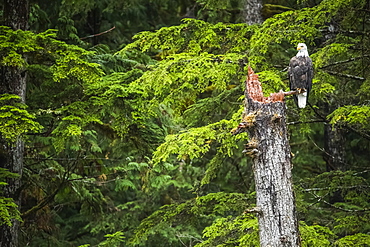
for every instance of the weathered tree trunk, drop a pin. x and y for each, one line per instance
(16, 14)
(334, 136)
(335, 153)
(334, 140)
(334, 148)
(265, 122)
(13, 81)
(253, 12)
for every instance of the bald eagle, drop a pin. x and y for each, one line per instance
(300, 75)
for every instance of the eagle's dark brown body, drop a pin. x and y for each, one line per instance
(300, 76)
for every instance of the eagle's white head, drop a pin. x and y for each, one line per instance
(302, 50)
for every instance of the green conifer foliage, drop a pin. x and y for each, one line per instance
(136, 143)
(8, 208)
(337, 68)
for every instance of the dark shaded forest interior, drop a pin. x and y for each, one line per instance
(116, 121)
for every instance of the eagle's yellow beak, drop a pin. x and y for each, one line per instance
(298, 48)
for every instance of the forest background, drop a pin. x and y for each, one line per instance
(128, 109)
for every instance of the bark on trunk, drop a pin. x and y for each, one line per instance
(334, 148)
(334, 140)
(334, 136)
(335, 153)
(265, 121)
(11, 159)
(253, 11)
(13, 81)
(16, 14)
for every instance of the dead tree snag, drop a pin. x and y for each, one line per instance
(271, 155)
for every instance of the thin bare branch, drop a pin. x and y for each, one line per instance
(339, 187)
(344, 61)
(305, 122)
(320, 198)
(360, 133)
(346, 75)
(98, 34)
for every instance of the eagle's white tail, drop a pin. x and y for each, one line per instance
(302, 100)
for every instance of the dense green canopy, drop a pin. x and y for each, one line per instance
(127, 129)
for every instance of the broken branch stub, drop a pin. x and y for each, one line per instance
(254, 90)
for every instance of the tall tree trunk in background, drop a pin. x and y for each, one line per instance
(334, 148)
(265, 121)
(334, 140)
(334, 156)
(94, 22)
(13, 81)
(334, 136)
(253, 11)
